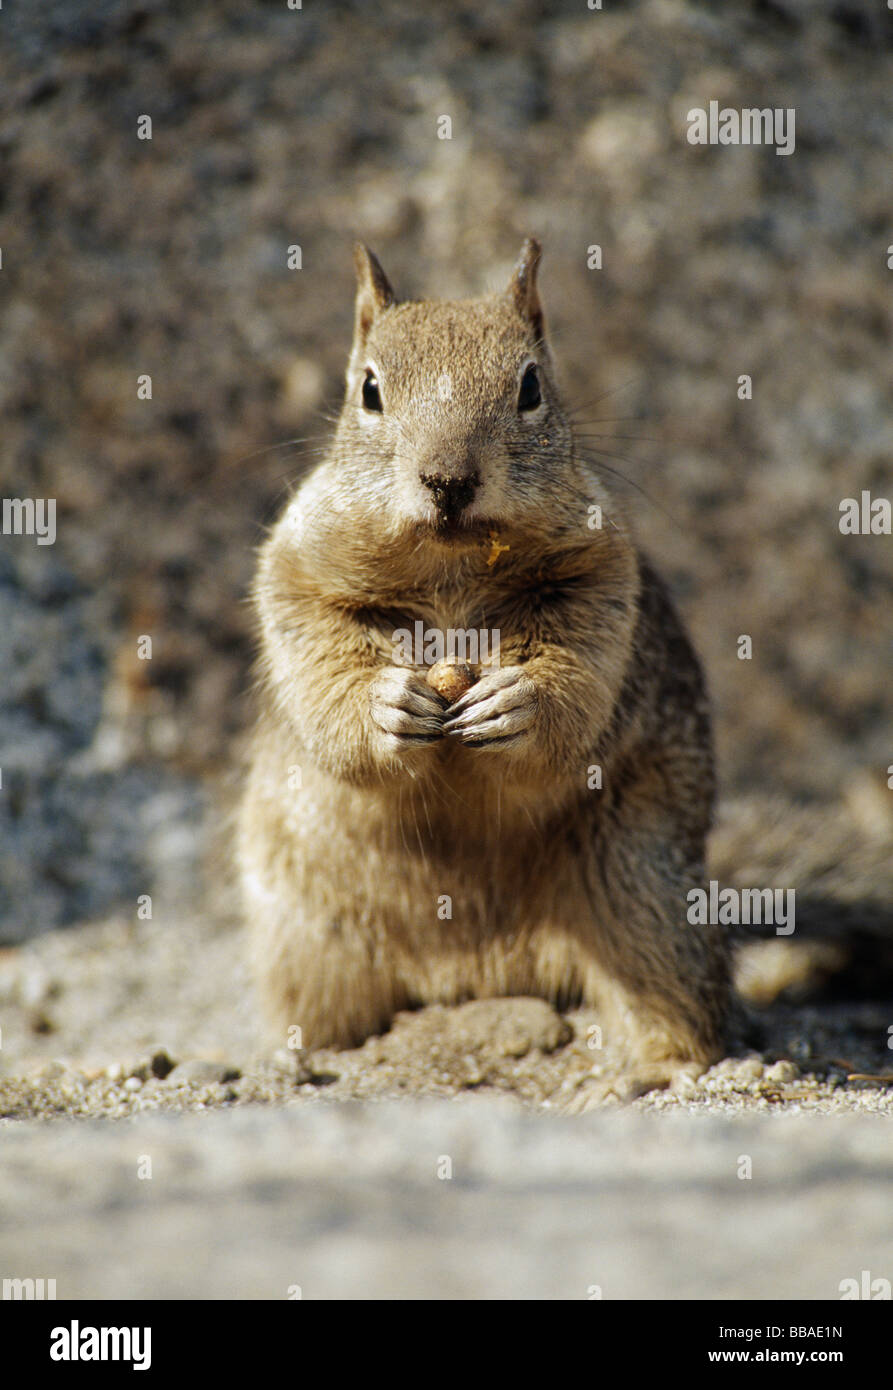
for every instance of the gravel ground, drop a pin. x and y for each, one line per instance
(472, 1186)
(118, 1019)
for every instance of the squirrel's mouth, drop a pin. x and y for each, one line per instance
(456, 531)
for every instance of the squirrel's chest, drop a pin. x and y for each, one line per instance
(425, 620)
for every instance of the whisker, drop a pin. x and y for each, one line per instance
(632, 438)
(587, 405)
(604, 419)
(270, 448)
(595, 460)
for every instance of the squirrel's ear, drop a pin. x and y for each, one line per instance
(374, 291)
(522, 286)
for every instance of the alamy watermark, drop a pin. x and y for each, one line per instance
(15, 1290)
(426, 646)
(29, 516)
(865, 516)
(87, 1343)
(734, 907)
(750, 126)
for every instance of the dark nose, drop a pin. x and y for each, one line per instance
(451, 495)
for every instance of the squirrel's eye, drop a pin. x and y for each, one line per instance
(529, 396)
(371, 393)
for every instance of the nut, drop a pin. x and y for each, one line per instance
(450, 679)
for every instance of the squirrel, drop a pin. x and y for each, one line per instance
(540, 834)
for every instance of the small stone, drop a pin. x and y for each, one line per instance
(161, 1064)
(133, 1083)
(780, 1073)
(515, 1045)
(472, 1074)
(52, 1071)
(198, 1071)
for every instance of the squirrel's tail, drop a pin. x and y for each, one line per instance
(839, 861)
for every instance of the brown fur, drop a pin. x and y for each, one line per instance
(557, 890)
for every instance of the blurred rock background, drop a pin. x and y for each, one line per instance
(274, 127)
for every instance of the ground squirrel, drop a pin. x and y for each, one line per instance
(398, 850)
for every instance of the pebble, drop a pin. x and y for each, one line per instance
(198, 1071)
(780, 1073)
(52, 1071)
(162, 1064)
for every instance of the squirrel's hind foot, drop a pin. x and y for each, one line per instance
(623, 1086)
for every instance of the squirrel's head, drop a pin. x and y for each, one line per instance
(452, 424)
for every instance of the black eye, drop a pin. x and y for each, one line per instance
(529, 395)
(371, 393)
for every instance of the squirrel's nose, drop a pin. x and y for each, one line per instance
(451, 495)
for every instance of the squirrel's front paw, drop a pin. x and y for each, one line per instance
(498, 712)
(405, 710)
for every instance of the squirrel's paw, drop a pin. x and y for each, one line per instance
(406, 712)
(497, 712)
(617, 1088)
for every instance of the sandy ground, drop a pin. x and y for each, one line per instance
(121, 1018)
(769, 1178)
(437, 1200)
